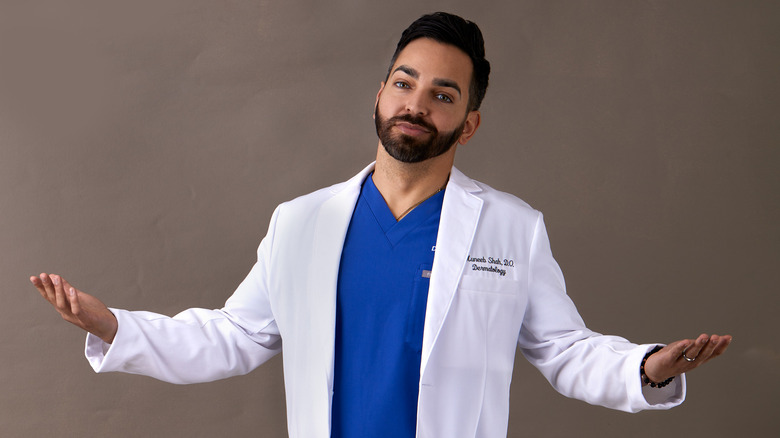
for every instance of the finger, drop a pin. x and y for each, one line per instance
(692, 352)
(676, 349)
(38, 285)
(706, 350)
(59, 294)
(714, 347)
(73, 299)
(723, 344)
(65, 285)
(715, 341)
(48, 288)
(71, 296)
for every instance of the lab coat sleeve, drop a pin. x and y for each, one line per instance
(197, 345)
(601, 370)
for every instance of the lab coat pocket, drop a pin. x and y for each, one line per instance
(497, 301)
(416, 313)
(494, 309)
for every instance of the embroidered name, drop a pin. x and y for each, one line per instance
(495, 265)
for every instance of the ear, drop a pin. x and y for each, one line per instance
(473, 120)
(378, 93)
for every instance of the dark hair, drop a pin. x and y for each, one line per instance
(463, 34)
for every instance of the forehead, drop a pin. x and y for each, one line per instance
(435, 60)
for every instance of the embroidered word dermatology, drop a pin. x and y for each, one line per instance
(491, 264)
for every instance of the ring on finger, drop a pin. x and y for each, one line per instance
(689, 359)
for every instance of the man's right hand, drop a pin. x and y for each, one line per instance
(78, 308)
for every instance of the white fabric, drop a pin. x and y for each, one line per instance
(494, 286)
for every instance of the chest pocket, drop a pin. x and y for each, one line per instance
(417, 304)
(494, 308)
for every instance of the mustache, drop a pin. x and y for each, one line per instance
(408, 118)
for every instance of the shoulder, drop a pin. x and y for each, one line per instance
(314, 200)
(504, 199)
(494, 200)
(329, 207)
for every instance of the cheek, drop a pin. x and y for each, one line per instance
(386, 106)
(447, 124)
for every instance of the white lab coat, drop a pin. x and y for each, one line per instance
(494, 286)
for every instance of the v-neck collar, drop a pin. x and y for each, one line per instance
(396, 230)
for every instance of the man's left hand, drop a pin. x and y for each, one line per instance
(684, 355)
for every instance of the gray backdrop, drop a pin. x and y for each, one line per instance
(144, 145)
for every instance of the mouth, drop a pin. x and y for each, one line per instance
(412, 129)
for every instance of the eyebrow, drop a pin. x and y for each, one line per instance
(439, 82)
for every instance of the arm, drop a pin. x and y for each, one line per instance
(603, 370)
(197, 345)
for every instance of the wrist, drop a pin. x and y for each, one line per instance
(646, 380)
(108, 331)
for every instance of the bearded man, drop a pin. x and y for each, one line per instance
(401, 296)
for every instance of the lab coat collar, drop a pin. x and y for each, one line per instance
(458, 181)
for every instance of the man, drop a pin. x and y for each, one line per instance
(400, 296)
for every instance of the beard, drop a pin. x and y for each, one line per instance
(408, 149)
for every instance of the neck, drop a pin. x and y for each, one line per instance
(405, 185)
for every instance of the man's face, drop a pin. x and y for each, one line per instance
(421, 112)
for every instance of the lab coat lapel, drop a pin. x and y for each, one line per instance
(458, 223)
(331, 226)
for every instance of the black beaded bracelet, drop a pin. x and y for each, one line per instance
(644, 376)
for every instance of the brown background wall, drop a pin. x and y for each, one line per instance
(143, 146)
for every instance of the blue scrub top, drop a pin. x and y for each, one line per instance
(380, 314)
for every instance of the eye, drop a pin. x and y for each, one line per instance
(401, 84)
(444, 98)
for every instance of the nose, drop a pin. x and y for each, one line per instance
(416, 104)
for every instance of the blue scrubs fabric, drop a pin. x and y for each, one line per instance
(380, 314)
